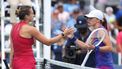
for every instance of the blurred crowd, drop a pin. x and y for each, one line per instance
(64, 14)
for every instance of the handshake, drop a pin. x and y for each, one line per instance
(68, 33)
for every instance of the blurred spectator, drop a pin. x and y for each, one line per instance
(56, 29)
(82, 4)
(110, 18)
(119, 42)
(119, 46)
(119, 17)
(101, 4)
(63, 16)
(53, 3)
(71, 5)
(72, 20)
(55, 23)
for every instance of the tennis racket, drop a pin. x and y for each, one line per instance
(94, 39)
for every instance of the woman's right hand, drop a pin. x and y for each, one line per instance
(68, 31)
(88, 47)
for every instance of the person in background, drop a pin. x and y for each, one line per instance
(119, 27)
(119, 45)
(71, 5)
(63, 15)
(119, 42)
(118, 15)
(22, 38)
(111, 19)
(73, 16)
(73, 53)
(56, 29)
(103, 52)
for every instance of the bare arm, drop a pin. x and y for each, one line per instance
(39, 36)
(106, 48)
(78, 42)
(81, 44)
(108, 45)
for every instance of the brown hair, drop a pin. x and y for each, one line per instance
(22, 11)
(104, 22)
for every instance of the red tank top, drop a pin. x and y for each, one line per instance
(23, 54)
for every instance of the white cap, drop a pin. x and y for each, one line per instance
(96, 13)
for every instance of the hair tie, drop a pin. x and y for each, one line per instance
(17, 11)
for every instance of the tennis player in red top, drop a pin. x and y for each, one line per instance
(22, 39)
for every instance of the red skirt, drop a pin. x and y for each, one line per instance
(23, 62)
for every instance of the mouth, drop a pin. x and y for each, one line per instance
(88, 23)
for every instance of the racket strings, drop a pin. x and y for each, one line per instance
(96, 37)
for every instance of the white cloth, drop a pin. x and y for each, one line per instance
(14, 4)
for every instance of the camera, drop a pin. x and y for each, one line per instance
(70, 51)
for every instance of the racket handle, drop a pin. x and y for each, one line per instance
(86, 58)
(84, 61)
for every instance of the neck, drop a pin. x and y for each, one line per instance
(26, 21)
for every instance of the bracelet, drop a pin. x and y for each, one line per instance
(62, 34)
(97, 48)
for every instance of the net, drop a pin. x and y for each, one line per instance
(53, 64)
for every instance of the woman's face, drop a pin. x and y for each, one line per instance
(92, 21)
(31, 15)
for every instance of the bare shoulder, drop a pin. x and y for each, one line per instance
(29, 28)
(32, 30)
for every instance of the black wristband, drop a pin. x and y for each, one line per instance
(97, 48)
(62, 34)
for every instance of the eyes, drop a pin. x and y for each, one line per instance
(89, 19)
